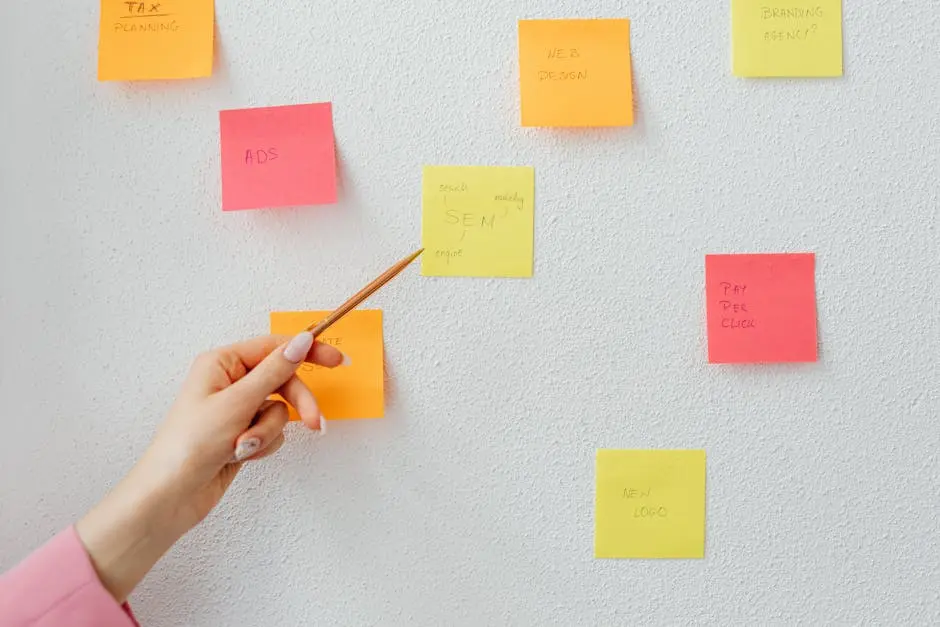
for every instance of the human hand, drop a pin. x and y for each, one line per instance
(220, 419)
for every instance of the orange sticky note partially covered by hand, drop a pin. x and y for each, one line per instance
(158, 39)
(278, 156)
(575, 72)
(356, 390)
(761, 308)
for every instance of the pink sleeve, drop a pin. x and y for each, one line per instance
(57, 585)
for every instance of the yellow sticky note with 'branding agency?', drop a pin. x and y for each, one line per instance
(575, 72)
(157, 39)
(650, 504)
(351, 391)
(477, 221)
(781, 38)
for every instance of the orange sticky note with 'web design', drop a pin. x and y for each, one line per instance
(278, 156)
(353, 391)
(761, 308)
(575, 72)
(157, 39)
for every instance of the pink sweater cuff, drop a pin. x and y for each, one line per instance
(57, 585)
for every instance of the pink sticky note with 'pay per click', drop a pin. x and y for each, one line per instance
(278, 156)
(761, 308)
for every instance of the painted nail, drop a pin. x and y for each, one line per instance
(347, 360)
(247, 448)
(297, 348)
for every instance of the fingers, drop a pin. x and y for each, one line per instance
(252, 352)
(299, 396)
(217, 369)
(264, 433)
(269, 375)
(271, 449)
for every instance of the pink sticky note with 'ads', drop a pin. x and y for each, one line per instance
(761, 308)
(278, 156)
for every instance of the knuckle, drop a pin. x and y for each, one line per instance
(202, 361)
(231, 364)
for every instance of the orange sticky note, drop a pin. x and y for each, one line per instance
(575, 72)
(278, 156)
(761, 308)
(157, 39)
(356, 390)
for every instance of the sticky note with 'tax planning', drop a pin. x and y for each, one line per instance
(761, 308)
(158, 39)
(575, 72)
(650, 504)
(278, 156)
(351, 391)
(786, 39)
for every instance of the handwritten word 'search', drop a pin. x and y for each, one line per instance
(563, 53)
(260, 157)
(458, 187)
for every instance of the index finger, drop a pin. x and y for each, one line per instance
(216, 370)
(252, 352)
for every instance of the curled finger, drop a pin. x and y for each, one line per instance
(264, 431)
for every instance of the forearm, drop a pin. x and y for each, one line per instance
(125, 535)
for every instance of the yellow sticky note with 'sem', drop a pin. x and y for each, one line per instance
(158, 39)
(575, 72)
(650, 504)
(786, 39)
(351, 391)
(477, 221)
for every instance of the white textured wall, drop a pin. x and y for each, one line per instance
(472, 501)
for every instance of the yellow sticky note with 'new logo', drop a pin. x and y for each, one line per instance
(650, 504)
(785, 38)
(157, 39)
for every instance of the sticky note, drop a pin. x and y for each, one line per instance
(278, 156)
(575, 72)
(344, 392)
(650, 504)
(157, 39)
(785, 38)
(761, 308)
(477, 221)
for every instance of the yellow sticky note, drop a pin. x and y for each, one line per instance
(785, 38)
(157, 39)
(477, 221)
(650, 504)
(575, 72)
(345, 392)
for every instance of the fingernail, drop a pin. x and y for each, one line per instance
(247, 448)
(347, 360)
(298, 347)
(322, 430)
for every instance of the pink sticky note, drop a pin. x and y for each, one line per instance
(278, 156)
(761, 308)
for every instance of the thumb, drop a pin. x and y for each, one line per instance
(274, 371)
